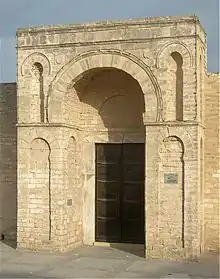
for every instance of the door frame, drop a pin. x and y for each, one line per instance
(88, 178)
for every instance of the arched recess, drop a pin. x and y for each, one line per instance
(34, 70)
(121, 60)
(174, 66)
(40, 188)
(37, 93)
(168, 49)
(172, 193)
(178, 84)
(201, 80)
(105, 99)
(33, 58)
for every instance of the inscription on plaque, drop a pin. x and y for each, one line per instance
(171, 178)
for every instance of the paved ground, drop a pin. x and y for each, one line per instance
(98, 262)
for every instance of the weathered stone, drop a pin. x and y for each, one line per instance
(132, 81)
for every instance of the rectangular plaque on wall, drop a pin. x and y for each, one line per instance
(69, 202)
(171, 178)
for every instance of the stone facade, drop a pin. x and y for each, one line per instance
(211, 155)
(8, 158)
(140, 81)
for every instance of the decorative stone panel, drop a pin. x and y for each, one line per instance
(36, 57)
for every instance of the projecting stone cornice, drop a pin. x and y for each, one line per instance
(100, 25)
(110, 31)
(107, 42)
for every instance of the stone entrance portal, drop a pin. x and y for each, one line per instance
(132, 82)
(111, 104)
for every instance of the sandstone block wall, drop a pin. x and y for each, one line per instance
(8, 157)
(212, 162)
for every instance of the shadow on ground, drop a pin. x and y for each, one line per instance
(10, 238)
(136, 250)
(119, 261)
(10, 243)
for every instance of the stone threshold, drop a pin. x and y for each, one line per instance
(119, 245)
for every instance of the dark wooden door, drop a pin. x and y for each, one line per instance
(108, 180)
(120, 193)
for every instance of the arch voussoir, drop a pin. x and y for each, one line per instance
(97, 59)
(75, 70)
(169, 48)
(141, 77)
(67, 79)
(134, 71)
(84, 64)
(116, 60)
(61, 87)
(107, 60)
(94, 62)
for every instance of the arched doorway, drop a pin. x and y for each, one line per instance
(103, 97)
(127, 62)
(108, 105)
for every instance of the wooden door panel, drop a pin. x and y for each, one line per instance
(133, 172)
(107, 209)
(120, 192)
(107, 190)
(133, 193)
(133, 153)
(108, 230)
(131, 210)
(130, 233)
(108, 153)
(108, 218)
(107, 172)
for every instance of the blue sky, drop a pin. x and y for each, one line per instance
(23, 13)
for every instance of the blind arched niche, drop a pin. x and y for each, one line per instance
(178, 84)
(40, 189)
(37, 88)
(171, 193)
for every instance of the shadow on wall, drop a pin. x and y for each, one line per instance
(8, 162)
(110, 99)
